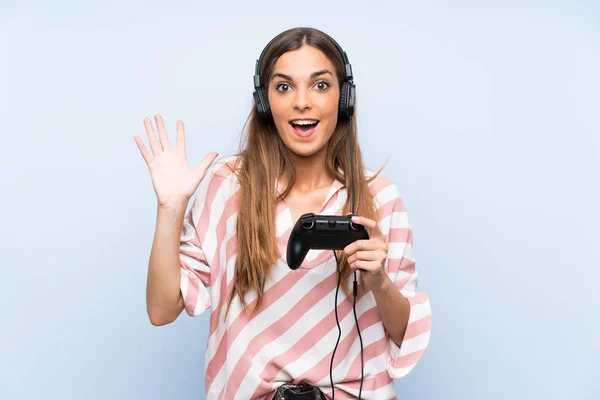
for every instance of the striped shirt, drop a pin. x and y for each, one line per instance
(292, 336)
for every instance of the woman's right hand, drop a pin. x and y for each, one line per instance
(173, 179)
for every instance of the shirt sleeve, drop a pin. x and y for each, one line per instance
(194, 266)
(401, 268)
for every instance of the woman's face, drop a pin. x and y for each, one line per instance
(304, 95)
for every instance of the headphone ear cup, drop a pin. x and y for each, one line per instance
(343, 107)
(347, 98)
(350, 100)
(266, 105)
(262, 104)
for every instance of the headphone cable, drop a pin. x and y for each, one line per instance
(338, 325)
(362, 362)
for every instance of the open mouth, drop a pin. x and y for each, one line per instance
(304, 127)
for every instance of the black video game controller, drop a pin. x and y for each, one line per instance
(321, 232)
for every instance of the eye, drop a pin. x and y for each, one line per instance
(283, 87)
(322, 85)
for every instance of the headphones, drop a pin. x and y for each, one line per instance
(347, 90)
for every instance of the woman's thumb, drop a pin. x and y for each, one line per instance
(205, 163)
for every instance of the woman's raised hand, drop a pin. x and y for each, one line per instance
(173, 179)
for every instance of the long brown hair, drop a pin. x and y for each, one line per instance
(263, 158)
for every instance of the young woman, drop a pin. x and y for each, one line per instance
(273, 329)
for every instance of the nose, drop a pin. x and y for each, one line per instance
(302, 100)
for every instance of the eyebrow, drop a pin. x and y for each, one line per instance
(312, 76)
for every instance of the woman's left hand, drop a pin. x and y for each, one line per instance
(369, 255)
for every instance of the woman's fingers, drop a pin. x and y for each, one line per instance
(154, 145)
(180, 145)
(140, 144)
(371, 226)
(365, 255)
(365, 244)
(162, 144)
(162, 133)
(363, 265)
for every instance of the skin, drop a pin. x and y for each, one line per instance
(304, 85)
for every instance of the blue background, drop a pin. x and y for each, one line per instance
(487, 111)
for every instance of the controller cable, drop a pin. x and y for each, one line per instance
(355, 293)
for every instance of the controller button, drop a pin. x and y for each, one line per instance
(332, 224)
(308, 223)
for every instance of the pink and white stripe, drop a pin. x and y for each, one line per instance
(291, 337)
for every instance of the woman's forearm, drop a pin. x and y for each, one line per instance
(394, 309)
(164, 302)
